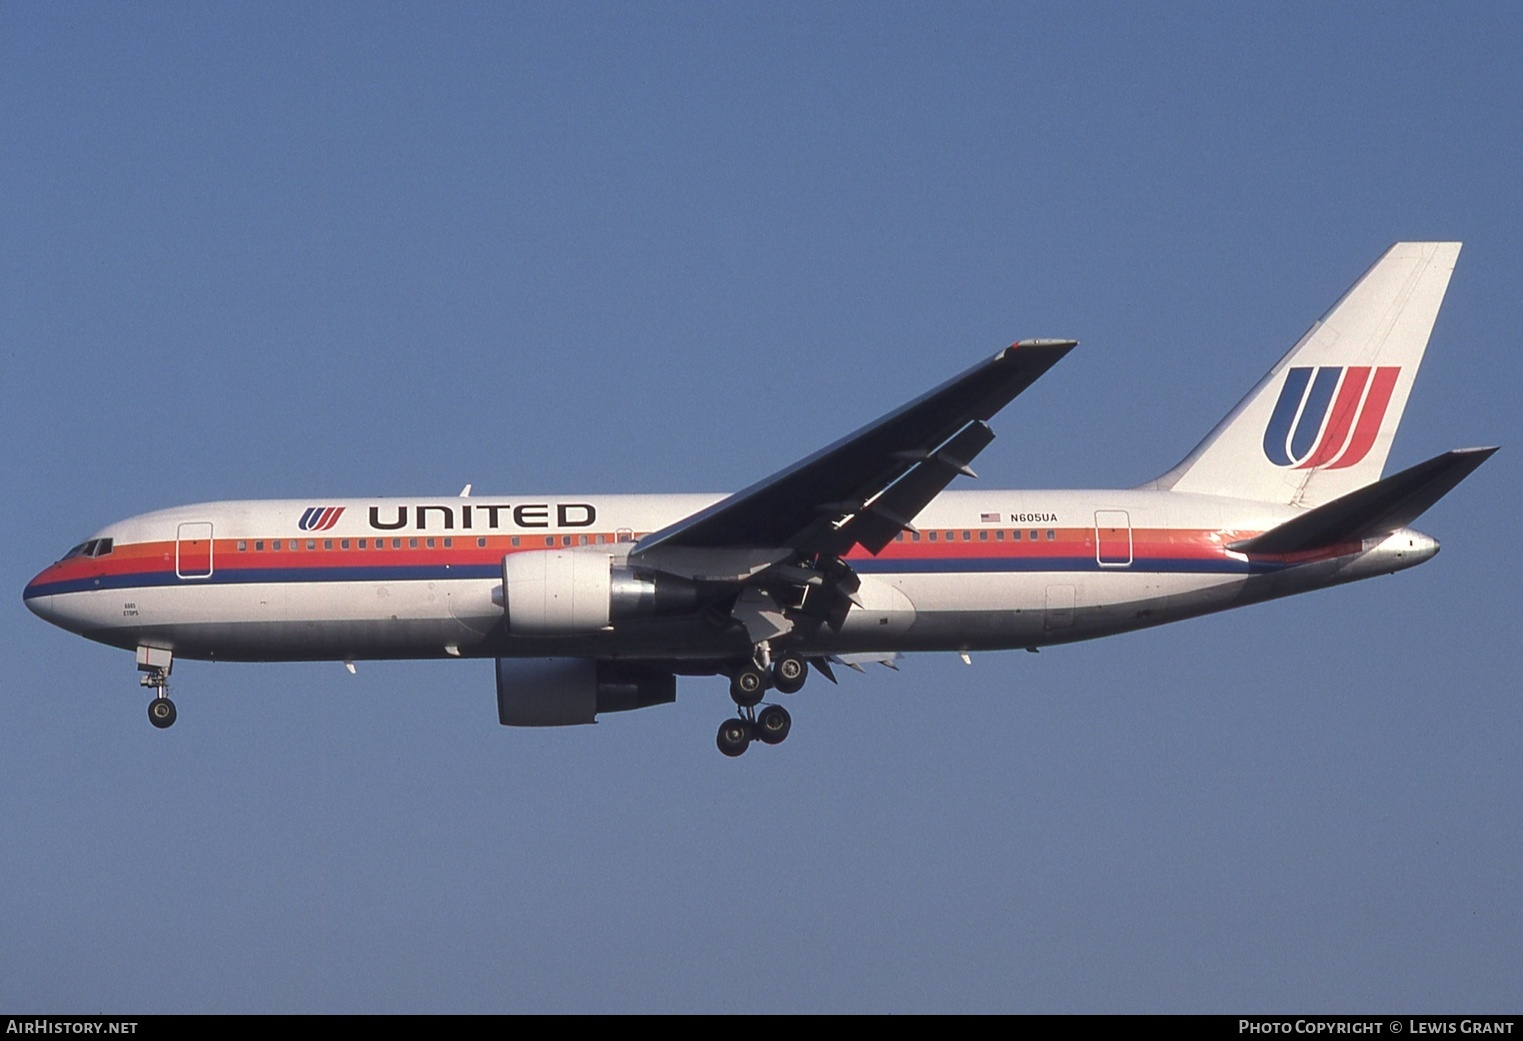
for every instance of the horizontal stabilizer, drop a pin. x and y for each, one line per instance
(1374, 510)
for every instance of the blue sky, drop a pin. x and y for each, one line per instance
(314, 251)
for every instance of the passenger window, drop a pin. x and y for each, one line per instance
(343, 544)
(515, 541)
(481, 543)
(259, 546)
(396, 543)
(931, 535)
(914, 536)
(430, 543)
(549, 540)
(1051, 534)
(1035, 536)
(582, 539)
(327, 543)
(311, 544)
(449, 543)
(412, 543)
(242, 546)
(967, 536)
(983, 536)
(1015, 536)
(999, 535)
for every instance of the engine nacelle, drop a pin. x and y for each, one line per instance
(556, 692)
(563, 592)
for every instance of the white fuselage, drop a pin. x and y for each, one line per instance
(419, 578)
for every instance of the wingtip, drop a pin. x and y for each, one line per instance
(1063, 346)
(1482, 453)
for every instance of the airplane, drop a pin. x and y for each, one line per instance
(594, 604)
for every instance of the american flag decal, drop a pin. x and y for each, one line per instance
(988, 518)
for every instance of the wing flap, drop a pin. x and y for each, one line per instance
(891, 512)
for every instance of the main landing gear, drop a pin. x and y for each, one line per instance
(155, 664)
(771, 724)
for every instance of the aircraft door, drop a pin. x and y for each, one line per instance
(193, 550)
(1113, 538)
(1060, 608)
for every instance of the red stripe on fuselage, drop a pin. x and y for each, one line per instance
(1068, 543)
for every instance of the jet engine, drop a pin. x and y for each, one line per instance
(563, 592)
(555, 692)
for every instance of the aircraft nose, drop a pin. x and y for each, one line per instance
(38, 600)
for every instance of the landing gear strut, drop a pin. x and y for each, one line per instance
(155, 663)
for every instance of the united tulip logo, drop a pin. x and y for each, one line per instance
(320, 518)
(1328, 415)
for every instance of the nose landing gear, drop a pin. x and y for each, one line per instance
(155, 663)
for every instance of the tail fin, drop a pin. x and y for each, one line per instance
(1320, 424)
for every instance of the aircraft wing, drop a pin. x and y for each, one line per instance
(869, 486)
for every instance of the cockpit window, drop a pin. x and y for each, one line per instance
(93, 548)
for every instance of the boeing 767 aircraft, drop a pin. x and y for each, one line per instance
(596, 603)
